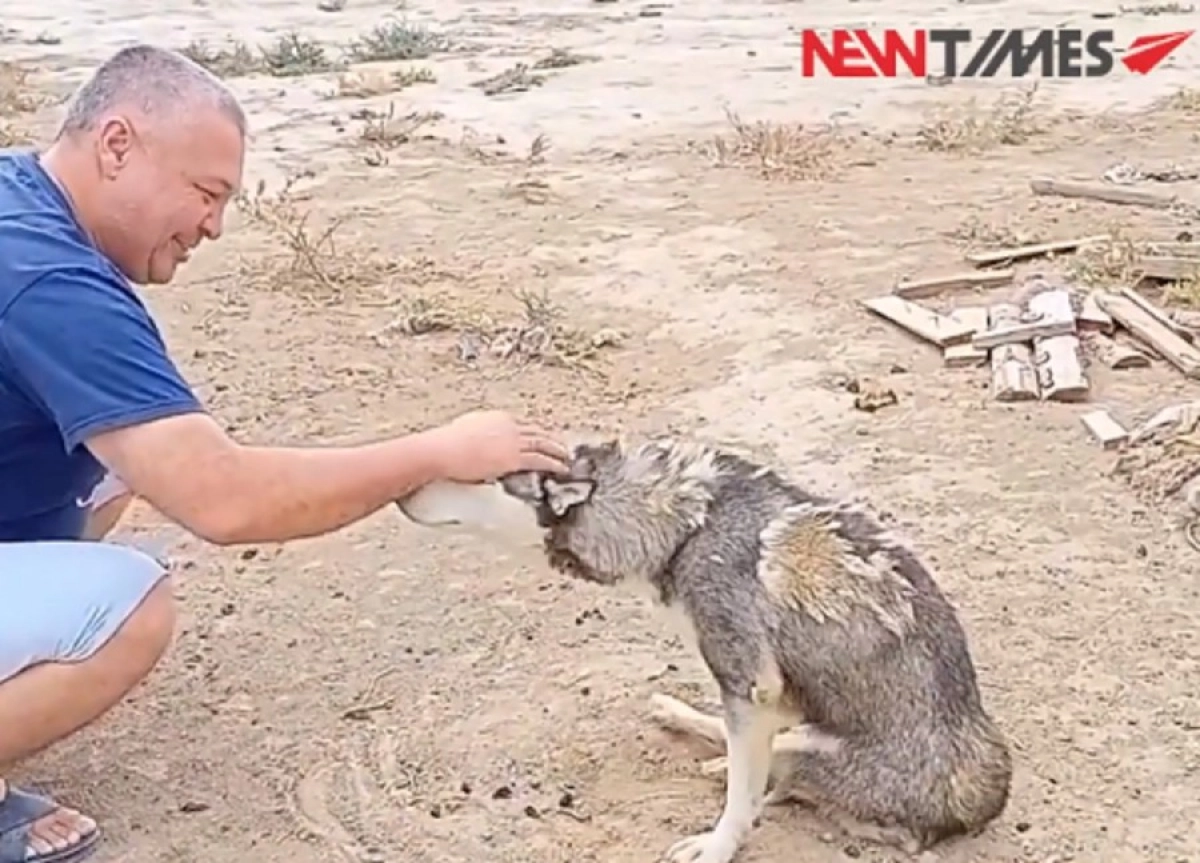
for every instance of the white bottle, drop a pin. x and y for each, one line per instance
(481, 508)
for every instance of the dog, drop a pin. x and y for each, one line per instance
(845, 677)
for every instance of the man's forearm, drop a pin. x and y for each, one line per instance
(285, 493)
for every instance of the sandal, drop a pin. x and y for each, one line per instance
(19, 811)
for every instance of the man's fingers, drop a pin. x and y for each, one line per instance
(539, 462)
(548, 446)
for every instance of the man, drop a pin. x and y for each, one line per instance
(146, 160)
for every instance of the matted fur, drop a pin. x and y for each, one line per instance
(801, 606)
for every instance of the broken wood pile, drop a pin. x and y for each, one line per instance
(1041, 348)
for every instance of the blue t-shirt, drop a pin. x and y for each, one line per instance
(79, 354)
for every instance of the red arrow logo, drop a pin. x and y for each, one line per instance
(1146, 52)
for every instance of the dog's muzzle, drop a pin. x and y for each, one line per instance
(563, 561)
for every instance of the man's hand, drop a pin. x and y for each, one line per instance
(484, 445)
(191, 471)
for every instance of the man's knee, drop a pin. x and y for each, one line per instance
(148, 631)
(143, 606)
(69, 602)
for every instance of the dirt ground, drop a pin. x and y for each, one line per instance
(601, 248)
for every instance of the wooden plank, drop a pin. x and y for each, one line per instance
(1169, 269)
(1056, 357)
(1105, 194)
(1158, 314)
(1165, 341)
(940, 330)
(1092, 317)
(1028, 328)
(1105, 429)
(1176, 249)
(915, 289)
(1032, 250)
(1116, 355)
(966, 354)
(1014, 378)
(1185, 320)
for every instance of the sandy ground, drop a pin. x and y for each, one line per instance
(391, 694)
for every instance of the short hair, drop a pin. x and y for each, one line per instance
(155, 80)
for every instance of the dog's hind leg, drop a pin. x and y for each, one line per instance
(797, 740)
(749, 731)
(679, 716)
(676, 715)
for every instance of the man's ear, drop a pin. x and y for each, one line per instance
(561, 495)
(114, 144)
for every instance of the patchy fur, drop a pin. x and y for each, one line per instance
(812, 618)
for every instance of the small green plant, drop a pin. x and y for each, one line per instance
(396, 41)
(292, 55)
(232, 60)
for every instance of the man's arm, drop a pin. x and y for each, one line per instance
(190, 470)
(87, 351)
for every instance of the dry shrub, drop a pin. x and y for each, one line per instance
(1108, 264)
(1117, 263)
(396, 40)
(977, 235)
(777, 151)
(515, 79)
(1011, 120)
(292, 54)
(289, 56)
(561, 58)
(384, 131)
(314, 266)
(536, 331)
(17, 96)
(1185, 292)
(11, 136)
(356, 84)
(1185, 100)
(387, 130)
(232, 60)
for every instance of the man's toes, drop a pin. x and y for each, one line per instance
(65, 834)
(55, 832)
(74, 822)
(39, 844)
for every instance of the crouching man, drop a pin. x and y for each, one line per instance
(141, 171)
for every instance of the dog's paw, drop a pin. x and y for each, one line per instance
(666, 710)
(712, 847)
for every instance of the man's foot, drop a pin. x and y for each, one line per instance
(36, 830)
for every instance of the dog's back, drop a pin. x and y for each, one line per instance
(865, 645)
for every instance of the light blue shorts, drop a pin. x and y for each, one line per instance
(62, 601)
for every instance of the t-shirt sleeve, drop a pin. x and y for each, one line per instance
(88, 352)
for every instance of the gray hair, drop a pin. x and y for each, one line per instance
(156, 81)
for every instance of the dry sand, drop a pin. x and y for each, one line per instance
(392, 694)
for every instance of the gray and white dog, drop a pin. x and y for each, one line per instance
(814, 621)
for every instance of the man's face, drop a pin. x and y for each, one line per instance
(165, 188)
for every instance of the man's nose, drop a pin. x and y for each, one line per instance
(213, 224)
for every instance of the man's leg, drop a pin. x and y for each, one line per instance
(81, 623)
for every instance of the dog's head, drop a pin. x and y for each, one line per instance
(616, 512)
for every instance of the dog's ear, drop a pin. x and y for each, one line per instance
(524, 485)
(561, 495)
